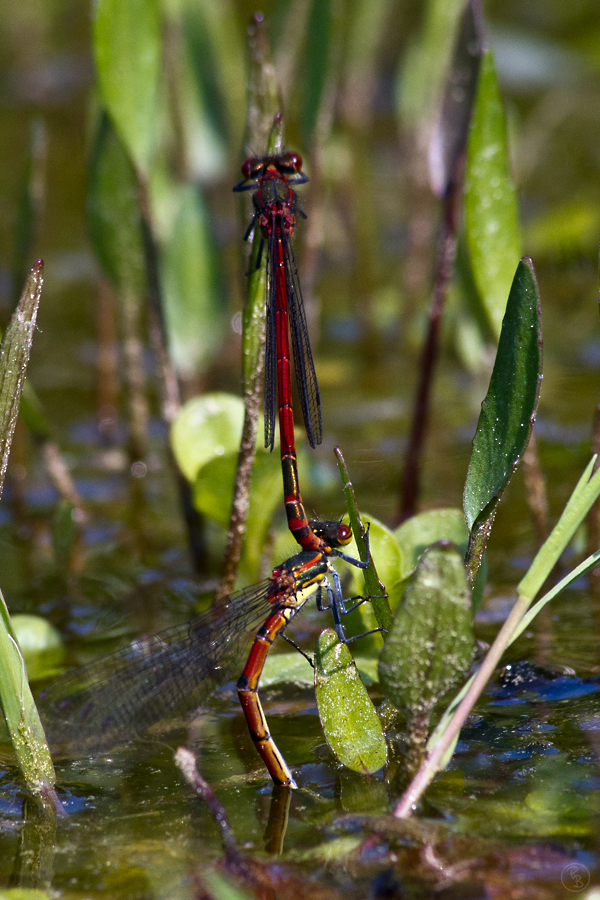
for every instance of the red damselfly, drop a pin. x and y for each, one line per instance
(275, 206)
(275, 210)
(118, 698)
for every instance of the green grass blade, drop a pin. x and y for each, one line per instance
(19, 709)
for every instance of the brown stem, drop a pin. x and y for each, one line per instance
(241, 496)
(108, 362)
(443, 272)
(136, 376)
(60, 475)
(535, 489)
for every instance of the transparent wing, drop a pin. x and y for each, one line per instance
(117, 698)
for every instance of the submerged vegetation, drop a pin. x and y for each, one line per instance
(168, 488)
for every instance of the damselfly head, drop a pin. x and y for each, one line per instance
(335, 534)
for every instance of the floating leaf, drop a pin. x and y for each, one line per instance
(491, 213)
(206, 427)
(128, 49)
(287, 668)
(348, 717)
(509, 408)
(430, 645)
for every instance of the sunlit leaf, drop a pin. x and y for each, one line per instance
(194, 309)
(508, 411)
(128, 48)
(213, 491)
(491, 213)
(430, 645)
(40, 644)
(206, 427)
(348, 717)
(290, 667)
(421, 531)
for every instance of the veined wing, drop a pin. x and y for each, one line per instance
(117, 698)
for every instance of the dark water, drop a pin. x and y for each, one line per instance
(517, 809)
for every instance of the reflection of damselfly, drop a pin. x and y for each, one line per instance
(275, 210)
(118, 698)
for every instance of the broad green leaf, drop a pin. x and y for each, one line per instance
(128, 49)
(292, 668)
(385, 551)
(206, 427)
(348, 717)
(491, 213)
(40, 643)
(421, 531)
(193, 308)
(449, 136)
(508, 411)
(430, 645)
(213, 492)
(287, 668)
(113, 213)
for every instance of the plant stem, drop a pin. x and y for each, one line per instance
(443, 271)
(375, 588)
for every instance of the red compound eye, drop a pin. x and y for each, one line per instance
(344, 534)
(251, 168)
(289, 163)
